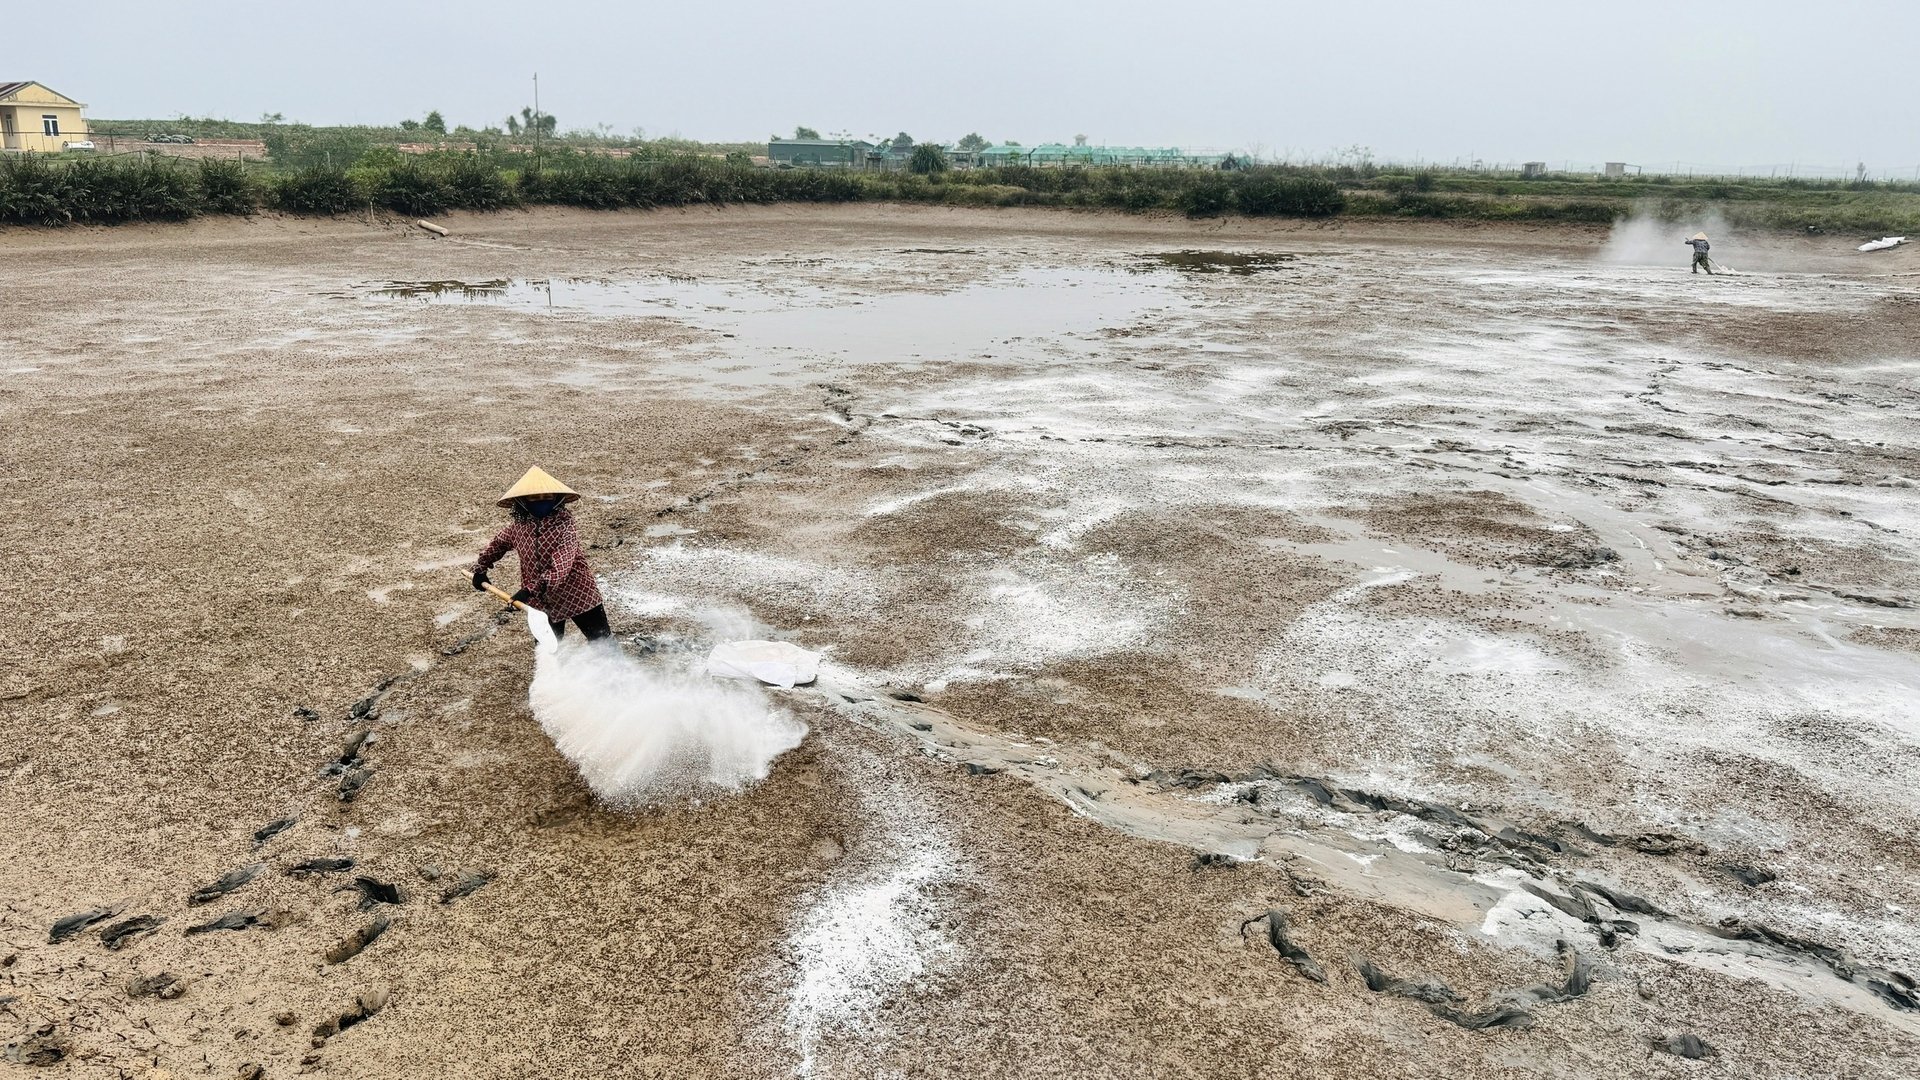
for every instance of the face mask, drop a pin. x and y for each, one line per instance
(542, 507)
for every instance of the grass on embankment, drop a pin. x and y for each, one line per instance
(36, 190)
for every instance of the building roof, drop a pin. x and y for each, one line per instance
(834, 143)
(9, 89)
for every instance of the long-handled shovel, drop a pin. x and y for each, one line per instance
(538, 624)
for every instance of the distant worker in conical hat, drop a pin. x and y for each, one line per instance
(1700, 261)
(554, 576)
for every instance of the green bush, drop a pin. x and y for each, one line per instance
(318, 189)
(413, 188)
(33, 192)
(477, 185)
(54, 190)
(1264, 192)
(226, 187)
(927, 159)
(1209, 194)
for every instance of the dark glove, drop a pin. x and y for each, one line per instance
(479, 580)
(521, 596)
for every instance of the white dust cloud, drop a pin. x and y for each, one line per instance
(1646, 239)
(643, 734)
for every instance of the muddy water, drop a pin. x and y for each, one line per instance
(780, 326)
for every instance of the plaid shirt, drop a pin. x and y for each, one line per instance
(551, 566)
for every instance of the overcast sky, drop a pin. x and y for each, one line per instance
(1750, 83)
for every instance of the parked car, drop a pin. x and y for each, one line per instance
(79, 144)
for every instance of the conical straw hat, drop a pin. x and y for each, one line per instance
(1699, 236)
(537, 482)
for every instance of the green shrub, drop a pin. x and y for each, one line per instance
(927, 159)
(1264, 192)
(476, 184)
(226, 187)
(380, 157)
(318, 189)
(413, 188)
(33, 192)
(1209, 194)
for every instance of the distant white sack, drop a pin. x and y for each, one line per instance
(777, 663)
(1883, 242)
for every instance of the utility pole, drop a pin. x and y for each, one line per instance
(537, 124)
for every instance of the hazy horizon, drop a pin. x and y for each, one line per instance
(1754, 84)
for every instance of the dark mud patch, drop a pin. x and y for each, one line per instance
(227, 883)
(465, 887)
(1193, 261)
(1283, 943)
(443, 290)
(320, 866)
(356, 943)
(121, 934)
(272, 829)
(1687, 1045)
(41, 1048)
(235, 920)
(954, 526)
(163, 985)
(374, 891)
(74, 924)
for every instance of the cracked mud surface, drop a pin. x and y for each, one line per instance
(1449, 591)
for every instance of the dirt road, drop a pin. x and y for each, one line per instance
(1509, 614)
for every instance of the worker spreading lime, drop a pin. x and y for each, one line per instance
(1700, 261)
(554, 576)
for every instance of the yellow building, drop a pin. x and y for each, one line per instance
(33, 117)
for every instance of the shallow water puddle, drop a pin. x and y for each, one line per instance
(971, 322)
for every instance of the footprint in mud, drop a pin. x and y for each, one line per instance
(236, 920)
(165, 985)
(308, 867)
(121, 934)
(273, 828)
(365, 1006)
(40, 1048)
(465, 887)
(1687, 1045)
(1750, 876)
(350, 752)
(232, 880)
(355, 779)
(356, 943)
(74, 924)
(374, 891)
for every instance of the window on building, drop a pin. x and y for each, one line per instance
(49, 124)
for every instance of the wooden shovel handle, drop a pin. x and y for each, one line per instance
(496, 592)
